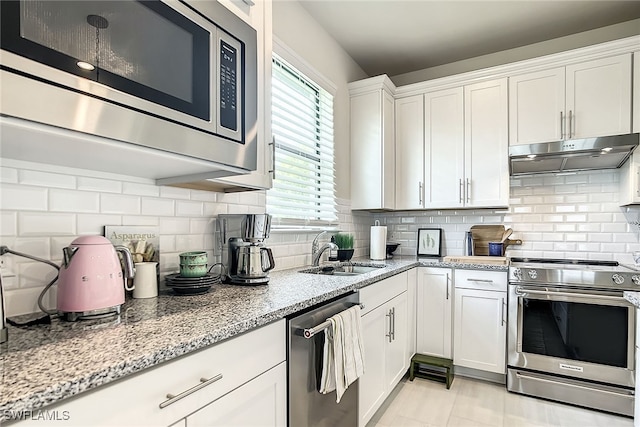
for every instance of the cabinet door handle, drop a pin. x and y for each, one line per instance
(461, 191)
(390, 334)
(502, 315)
(248, 2)
(561, 125)
(468, 190)
(448, 279)
(273, 157)
(393, 323)
(570, 123)
(420, 193)
(203, 383)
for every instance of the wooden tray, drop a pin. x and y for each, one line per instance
(493, 260)
(483, 234)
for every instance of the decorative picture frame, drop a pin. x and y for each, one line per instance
(430, 242)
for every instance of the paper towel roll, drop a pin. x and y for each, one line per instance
(378, 250)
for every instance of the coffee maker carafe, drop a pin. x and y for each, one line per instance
(241, 242)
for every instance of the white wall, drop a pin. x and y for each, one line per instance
(293, 25)
(587, 38)
(567, 216)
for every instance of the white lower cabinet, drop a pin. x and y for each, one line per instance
(248, 369)
(385, 334)
(480, 320)
(260, 402)
(412, 289)
(434, 311)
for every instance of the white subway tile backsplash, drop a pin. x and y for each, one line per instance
(8, 175)
(175, 193)
(57, 244)
(158, 207)
(140, 220)
(23, 197)
(98, 184)
(215, 209)
(119, 204)
(184, 208)
(92, 224)
(36, 246)
(575, 218)
(34, 274)
(46, 224)
(167, 244)
(174, 226)
(73, 201)
(190, 242)
(201, 226)
(203, 196)
(46, 179)
(140, 189)
(8, 223)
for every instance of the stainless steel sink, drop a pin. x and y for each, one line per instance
(342, 270)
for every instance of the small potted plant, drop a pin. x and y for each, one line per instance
(344, 241)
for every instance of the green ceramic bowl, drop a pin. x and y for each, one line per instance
(191, 258)
(193, 270)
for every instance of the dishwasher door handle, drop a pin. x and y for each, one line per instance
(309, 332)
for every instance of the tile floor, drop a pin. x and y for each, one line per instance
(476, 403)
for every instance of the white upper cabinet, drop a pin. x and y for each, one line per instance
(486, 146)
(444, 148)
(536, 107)
(464, 144)
(409, 152)
(372, 144)
(599, 97)
(583, 100)
(636, 91)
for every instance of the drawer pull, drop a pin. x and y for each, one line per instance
(203, 383)
(479, 280)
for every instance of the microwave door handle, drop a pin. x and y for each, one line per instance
(524, 292)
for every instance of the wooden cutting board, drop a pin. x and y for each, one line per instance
(493, 260)
(483, 234)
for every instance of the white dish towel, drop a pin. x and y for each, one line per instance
(343, 353)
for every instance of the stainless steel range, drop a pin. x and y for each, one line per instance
(571, 333)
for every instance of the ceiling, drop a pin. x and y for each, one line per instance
(400, 36)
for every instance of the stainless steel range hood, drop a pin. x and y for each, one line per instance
(608, 152)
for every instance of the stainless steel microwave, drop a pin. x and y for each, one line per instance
(175, 76)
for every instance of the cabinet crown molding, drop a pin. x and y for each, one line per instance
(588, 53)
(371, 84)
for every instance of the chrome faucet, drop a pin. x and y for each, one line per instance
(316, 251)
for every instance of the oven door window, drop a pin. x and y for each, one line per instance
(577, 331)
(142, 48)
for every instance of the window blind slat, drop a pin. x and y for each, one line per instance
(302, 121)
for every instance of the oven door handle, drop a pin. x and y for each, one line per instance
(524, 292)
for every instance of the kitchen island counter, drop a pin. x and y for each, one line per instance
(43, 364)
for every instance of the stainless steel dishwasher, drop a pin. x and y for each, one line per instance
(307, 407)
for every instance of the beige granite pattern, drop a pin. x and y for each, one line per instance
(43, 364)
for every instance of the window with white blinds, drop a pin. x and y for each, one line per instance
(303, 190)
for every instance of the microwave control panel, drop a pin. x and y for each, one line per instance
(228, 86)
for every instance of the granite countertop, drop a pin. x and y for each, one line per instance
(40, 365)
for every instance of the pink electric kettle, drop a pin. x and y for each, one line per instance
(91, 283)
